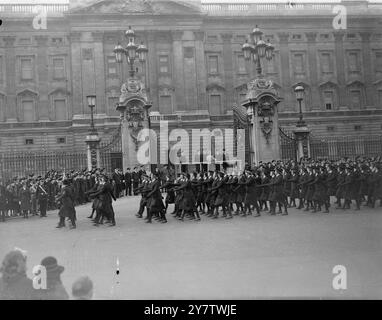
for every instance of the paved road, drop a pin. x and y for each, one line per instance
(270, 256)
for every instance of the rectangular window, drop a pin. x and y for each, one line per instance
(326, 63)
(357, 127)
(324, 36)
(164, 64)
(26, 69)
(61, 140)
(241, 64)
(330, 128)
(213, 64)
(297, 37)
(215, 104)
(60, 109)
(58, 68)
(378, 61)
(212, 38)
(165, 104)
(25, 41)
(353, 61)
(29, 141)
(28, 111)
(111, 66)
(298, 63)
(57, 40)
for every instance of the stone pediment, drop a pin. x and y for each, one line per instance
(139, 7)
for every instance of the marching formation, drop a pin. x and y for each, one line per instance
(273, 187)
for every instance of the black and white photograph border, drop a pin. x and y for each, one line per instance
(190, 150)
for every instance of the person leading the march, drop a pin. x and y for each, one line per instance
(67, 210)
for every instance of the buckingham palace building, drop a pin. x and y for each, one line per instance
(52, 56)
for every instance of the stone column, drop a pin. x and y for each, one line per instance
(178, 73)
(99, 60)
(44, 111)
(367, 69)
(312, 57)
(152, 70)
(10, 72)
(228, 71)
(340, 58)
(201, 74)
(285, 71)
(77, 101)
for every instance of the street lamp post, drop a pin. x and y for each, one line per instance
(302, 131)
(133, 103)
(92, 139)
(300, 92)
(258, 49)
(132, 52)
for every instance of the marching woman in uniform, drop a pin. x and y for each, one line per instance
(155, 204)
(67, 210)
(105, 195)
(170, 194)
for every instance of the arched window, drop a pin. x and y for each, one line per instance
(59, 110)
(26, 106)
(329, 96)
(356, 95)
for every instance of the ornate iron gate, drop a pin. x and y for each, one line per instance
(288, 145)
(111, 152)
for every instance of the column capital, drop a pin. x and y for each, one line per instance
(41, 40)
(98, 36)
(283, 37)
(75, 36)
(226, 37)
(311, 36)
(199, 35)
(9, 41)
(338, 36)
(177, 35)
(365, 35)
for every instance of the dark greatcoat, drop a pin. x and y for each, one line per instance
(293, 180)
(240, 189)
(154, 203)
(66, 199)
(277, 193)
(25, 199)
(250, 191)
(221, 195)
(105, 195)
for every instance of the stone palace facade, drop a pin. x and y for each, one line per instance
(195, 70)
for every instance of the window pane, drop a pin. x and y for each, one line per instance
(213, 64)
(241, 64)
(355, 99)
(325, 60)
(60, 109)
(163, 69)
(215, 104)
(26, 69)
(58, 68)
(163, 59)
(28, 111)
(165, 104)
(353, 61)
(298, 63)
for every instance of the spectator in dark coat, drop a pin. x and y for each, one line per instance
(25, 200)
(55, 289)
(14, 283)
(128, 180)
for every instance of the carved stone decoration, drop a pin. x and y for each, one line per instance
(133, 87)
(135, 116)
(260, 85)
(265, 112)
